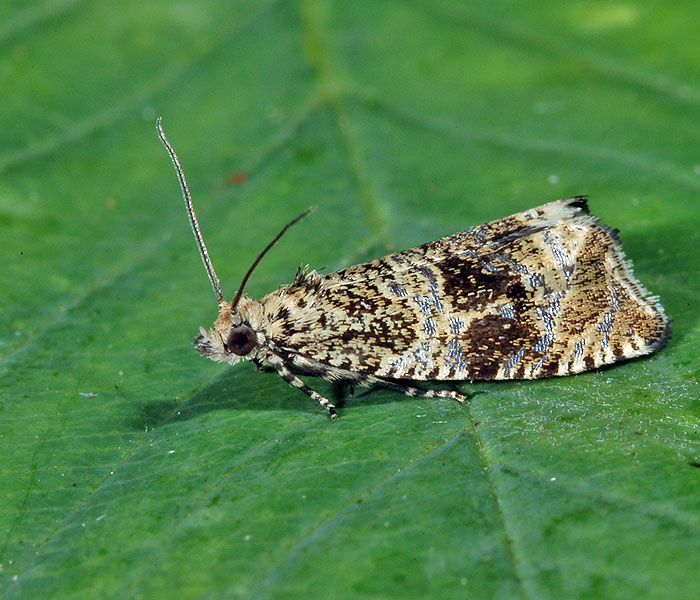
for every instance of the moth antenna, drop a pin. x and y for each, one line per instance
(192, 216)
(294, 221)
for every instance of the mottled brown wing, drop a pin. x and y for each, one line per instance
(544, 292)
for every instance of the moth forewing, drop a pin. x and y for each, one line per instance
(537, 294)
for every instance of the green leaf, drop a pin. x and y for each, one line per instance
(131, 467)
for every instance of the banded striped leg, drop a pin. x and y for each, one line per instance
(414, 391)
(293, 380)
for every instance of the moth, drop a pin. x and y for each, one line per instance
(541, 293)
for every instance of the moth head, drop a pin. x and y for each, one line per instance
(234, 336)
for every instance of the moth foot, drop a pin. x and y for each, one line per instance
(459, 397)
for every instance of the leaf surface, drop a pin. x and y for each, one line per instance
(131, 467)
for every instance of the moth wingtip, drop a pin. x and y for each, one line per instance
(579, 202)
(663, 337)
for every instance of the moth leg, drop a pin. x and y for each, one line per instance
(414, 391)
(293, 380)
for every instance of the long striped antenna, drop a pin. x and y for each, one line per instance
(198, 234)
(192, 216)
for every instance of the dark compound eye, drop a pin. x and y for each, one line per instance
(241, 340)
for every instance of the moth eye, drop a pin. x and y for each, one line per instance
(241, 340)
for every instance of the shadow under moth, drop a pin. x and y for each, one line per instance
(541, 293)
